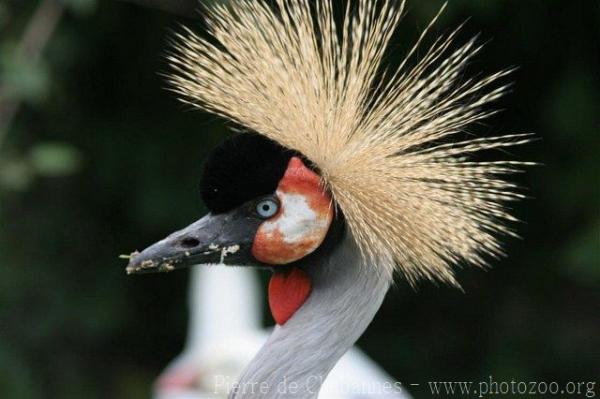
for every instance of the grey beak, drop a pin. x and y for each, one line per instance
(224, 238)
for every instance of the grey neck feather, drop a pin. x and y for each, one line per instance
(296, 359)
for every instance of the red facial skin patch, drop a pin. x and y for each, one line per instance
(302, 222)
(297, 230)
(287, 293)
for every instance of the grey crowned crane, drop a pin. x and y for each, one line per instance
(345, 175)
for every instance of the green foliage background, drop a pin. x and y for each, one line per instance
(101, 160)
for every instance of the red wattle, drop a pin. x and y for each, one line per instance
(287, 293)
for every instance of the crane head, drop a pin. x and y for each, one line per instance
(387, 148)
(268, 207)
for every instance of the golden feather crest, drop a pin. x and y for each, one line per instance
(289, 72)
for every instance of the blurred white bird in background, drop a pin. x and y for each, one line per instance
(225, 333)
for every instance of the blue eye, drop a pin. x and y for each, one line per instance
(267, 208)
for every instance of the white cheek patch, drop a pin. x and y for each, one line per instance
(297, 221)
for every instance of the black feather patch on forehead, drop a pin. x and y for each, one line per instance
(242, 168)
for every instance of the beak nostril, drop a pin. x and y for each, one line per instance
(189, 242)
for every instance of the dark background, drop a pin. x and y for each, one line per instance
(99, 160)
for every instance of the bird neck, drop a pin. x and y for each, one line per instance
(299, 355)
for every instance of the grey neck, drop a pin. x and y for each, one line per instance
(299, 355)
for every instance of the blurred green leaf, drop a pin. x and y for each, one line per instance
(20, 78)
(15, 175)
(54, 159)
(81, 7)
